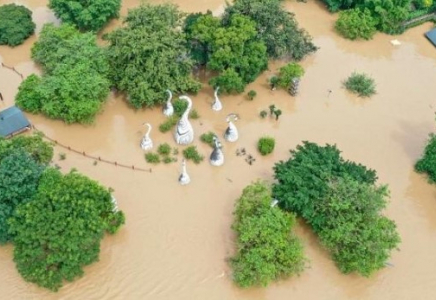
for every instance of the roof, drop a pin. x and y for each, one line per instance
(12, 120)
(431, 35)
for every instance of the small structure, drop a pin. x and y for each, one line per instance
(13, 121)
(184, 133)
(146, 142)
(231, 133)
(431, 36)
(168, 109)
(217, 105)
(217, 156)
(184, 178)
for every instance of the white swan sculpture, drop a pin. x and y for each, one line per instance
(115, 204)
(217, 155)
(184, 178)
(147, 143)
(168, 109)
(217, 105)
(231, 134)
(184, 133)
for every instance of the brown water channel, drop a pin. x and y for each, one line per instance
(177, 239)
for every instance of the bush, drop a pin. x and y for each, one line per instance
(266, 145)
(34, 145)
(427, 163)
(86, 15)
(208, 138)
(193, 114)
(152, 158)
(16, 24)
(251, 94)
(340, 201)
(356, 24)
(180, 107)
(267, 249)
(263, 114)
(169, 123)
(164, 149)
(360, 84)
(289, 72)
(191, 153)
(168, 160)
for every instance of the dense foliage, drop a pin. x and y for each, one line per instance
(266, 145)
(75, 83)
(356, 24)
(360, 84)
(341, 202)
(16, 24)
(267, 249)
(148, 55)
(19, 177)
(427, 163)
(59, 231)
(289, 72)
(231, 50)
(275, 27)
(86, 15)
(35, 146)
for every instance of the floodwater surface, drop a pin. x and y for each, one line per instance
(177, 238)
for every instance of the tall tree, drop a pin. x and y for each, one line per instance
(149, 55)
(34, 145)
(59, 231)
(85, 14)
(16, 24)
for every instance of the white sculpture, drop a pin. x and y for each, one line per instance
(147, 143)
(115, 203)
(217, 155)
(231, 134)
(184, 133)
(168, 109)
(217, 105)
(184, 178)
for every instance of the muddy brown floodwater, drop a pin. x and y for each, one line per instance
(177, 239)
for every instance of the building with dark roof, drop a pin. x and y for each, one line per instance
(431, 35)
(12, 121)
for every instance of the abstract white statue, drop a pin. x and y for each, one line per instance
(217, 155)
(168, 109)
(115, 203)
(184, 178)
(231, 134)
(184, 133)
(147, 143)
(217, 105)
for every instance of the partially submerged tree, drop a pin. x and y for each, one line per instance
(86, 15)
(427, 163)
(60, 230)
(16, 24)
(267, 249)
(34, 145)
(341, 202)
(76, 81)
(356, 24)
(148, 55)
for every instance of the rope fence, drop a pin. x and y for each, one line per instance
(83, 153)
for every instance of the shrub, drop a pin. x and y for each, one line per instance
(62, 156)
(267, 249)
(251, 94)
(266, 145)
(340, 201)
(168, 159)
(180, 107)
(263, 114)
(152, 158)
(191, 153)
(360, 84)
(208, 138)
(427, 163)
(164, 149)
(356, 24)
(289, 72)
(34, 145)
(16, 24)
(168, 124)
(86, 15)
(193, 114)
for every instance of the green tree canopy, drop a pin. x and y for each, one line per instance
(19, 177)
(427, 163)
(341, 202)
(59, 231)
(85, 14)
(289, 72)
(34, 145)
(149, 55)
(16, 24)
(267, 249)
(356, 24)
(76, 81)
(275, 27)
